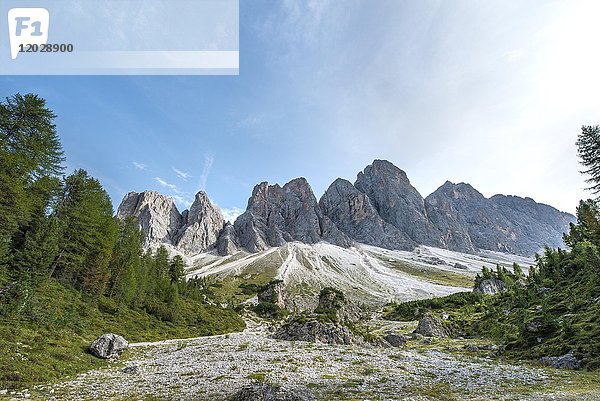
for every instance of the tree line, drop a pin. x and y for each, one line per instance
(56, 227)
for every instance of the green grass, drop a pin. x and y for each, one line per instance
(257, 273)
(51, 342)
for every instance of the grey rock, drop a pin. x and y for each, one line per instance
(267, 392)
(201, 227)
(352, 212)
(276, 215)
(312, 330)
(191, 232)
(431, 326)
(132, 369)
(397, 201)
(460, 266)
(275, 293)
(469, 221)
(156, 214)
(108, 346)
(567, 361)
(227, 242)
(395, 340)
(472, 348)
(491, 286)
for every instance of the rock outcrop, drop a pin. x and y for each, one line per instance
(201, 227)
(274, 293)
(156, 214)
(193, 231)
(381, 208)
(431, 326)
(108, 346)
(397, 201)
(315, 331)
(491, 286)
(276, 215)
(567, 361)
(352, 212)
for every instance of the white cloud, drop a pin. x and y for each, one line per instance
(140, 166)
(165, 184)
(208, 162)
(182, 174)
(230, 214)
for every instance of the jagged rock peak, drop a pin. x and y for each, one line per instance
(201, 228)
(156, 214)
(277, 215)
(397, 201)
(354, 215)
(458, 191)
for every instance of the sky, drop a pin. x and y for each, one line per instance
(491, 93)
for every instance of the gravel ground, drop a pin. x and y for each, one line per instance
(213, 368)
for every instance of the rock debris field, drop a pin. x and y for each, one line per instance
(214, 368)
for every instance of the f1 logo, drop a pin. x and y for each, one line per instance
(27, 26)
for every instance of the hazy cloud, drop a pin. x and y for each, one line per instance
(165, 184)
(140, 166)
(208, 162)
(181, 174)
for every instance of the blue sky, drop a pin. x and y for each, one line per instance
(492, 93)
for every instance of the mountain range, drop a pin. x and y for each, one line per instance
(381, 208)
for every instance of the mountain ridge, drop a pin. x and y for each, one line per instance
(381, 208)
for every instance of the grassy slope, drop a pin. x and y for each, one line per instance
(52, 342)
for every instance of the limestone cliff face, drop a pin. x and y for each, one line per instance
(156, 214)
(192, 232)
(381, 208)
(201, 227)
(397, 201)
(501, 223)
(276, 215)
(352, 212)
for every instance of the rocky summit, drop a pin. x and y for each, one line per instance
(381, 208)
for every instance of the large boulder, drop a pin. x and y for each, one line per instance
(313, 330)
(395, 340)
(567, 361)
(108, 346)
(266, 392)
(491, 286)
(431, 326)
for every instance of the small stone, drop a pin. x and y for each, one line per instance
(132, 369)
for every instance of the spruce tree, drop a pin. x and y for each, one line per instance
(588, 149)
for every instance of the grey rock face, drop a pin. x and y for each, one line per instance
(567, 361)
(266, 392)
(469, 221)
(397, 201)
(201, 228)
(192, 231)
(491, 286)
(352, 212)
(430, 326)
(227, 242)
(108, 346)
(277, 215)
(313, 331)
(156, 214)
